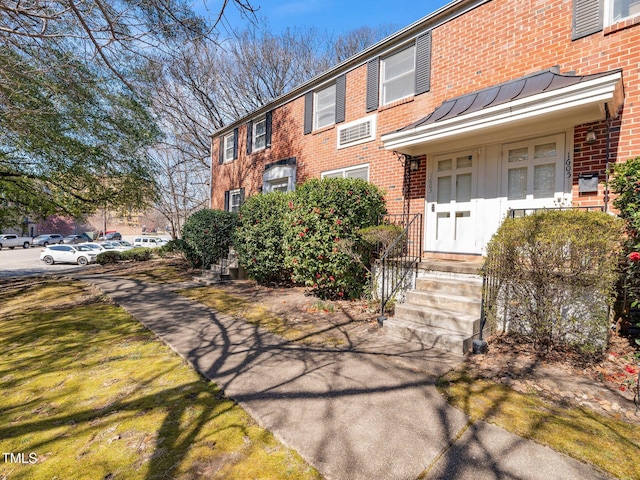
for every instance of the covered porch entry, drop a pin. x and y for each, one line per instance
(505, 148)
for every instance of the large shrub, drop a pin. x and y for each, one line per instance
(557, 272)
(116, 256)
(322, 216)
(625, 183)
(207, 236)
(258, 238)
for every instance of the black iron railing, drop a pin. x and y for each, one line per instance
(491, 284)
(521, 212)
(398, 264)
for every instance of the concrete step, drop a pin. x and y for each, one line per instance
(211, 280)
(444, 301)
(450, 266)
(434, 337)
(430, 317)
(238, 273)
(468, 287)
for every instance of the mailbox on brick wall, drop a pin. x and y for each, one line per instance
(588, 183)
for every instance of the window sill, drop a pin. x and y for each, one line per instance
(260, 150)
(324, 129)
(623, 25)
(402, 101)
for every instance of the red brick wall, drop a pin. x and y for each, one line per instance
(496, 42)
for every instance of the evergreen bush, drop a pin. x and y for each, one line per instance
(321, 215)
(258, 238)
(557, 272)
(108, 257)
(625, 183)
(207, 236)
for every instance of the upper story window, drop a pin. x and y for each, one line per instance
(259, 135)
(403, 74)
(590, 16)
(325, 107)
(228, 147)
(618, 10)
(397, 76)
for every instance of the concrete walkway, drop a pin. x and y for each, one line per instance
(366, 411)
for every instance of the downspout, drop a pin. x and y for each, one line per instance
(608, 152)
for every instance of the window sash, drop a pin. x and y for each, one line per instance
(228, 148)
(398, 76)
(622, 9)
(325, 111)
(349, 172)
(234, 200)
(280, 185)
(260, 134)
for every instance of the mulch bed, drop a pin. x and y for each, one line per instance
(606, 383)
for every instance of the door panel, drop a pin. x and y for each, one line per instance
(533, 173)
(451, 199)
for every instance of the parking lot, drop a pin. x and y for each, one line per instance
(20, 262)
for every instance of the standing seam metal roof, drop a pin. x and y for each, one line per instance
(517, 89)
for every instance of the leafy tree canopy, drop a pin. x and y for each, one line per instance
(75, 127)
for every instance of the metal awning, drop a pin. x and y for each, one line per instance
(529, 99)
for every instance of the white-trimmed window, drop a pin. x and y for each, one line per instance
(397, 76)
(234, 200)
(229, 147)
(619, 10)
(325, 107)
(359, 171)
(279, 178)
(259, 135)
(280, 185)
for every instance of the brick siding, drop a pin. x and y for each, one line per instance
(496, 42)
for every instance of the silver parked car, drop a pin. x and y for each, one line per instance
(68, 254)
(49, 239)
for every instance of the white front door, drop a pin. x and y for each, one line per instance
(451, 202)
(533, 173)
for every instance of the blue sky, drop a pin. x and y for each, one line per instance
(333, 16)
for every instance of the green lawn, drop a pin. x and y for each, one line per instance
(610, 444)
(92, 395)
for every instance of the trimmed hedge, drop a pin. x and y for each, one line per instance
(207, 236)
(557, 272)
(258, 238)
(323, 217)
(115, 256)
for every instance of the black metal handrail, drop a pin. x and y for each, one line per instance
(521, 212)
(400, 258)
(491, 283)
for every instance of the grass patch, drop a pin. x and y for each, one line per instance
(238, 307)
(93, 394)
(612, 445)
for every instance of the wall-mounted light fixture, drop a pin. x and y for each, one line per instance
(414, 164)
(591, 138)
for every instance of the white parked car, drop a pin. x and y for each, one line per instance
(122, 245)
(148, 242)
(116, 245)
(96, 247)
(68, 254)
